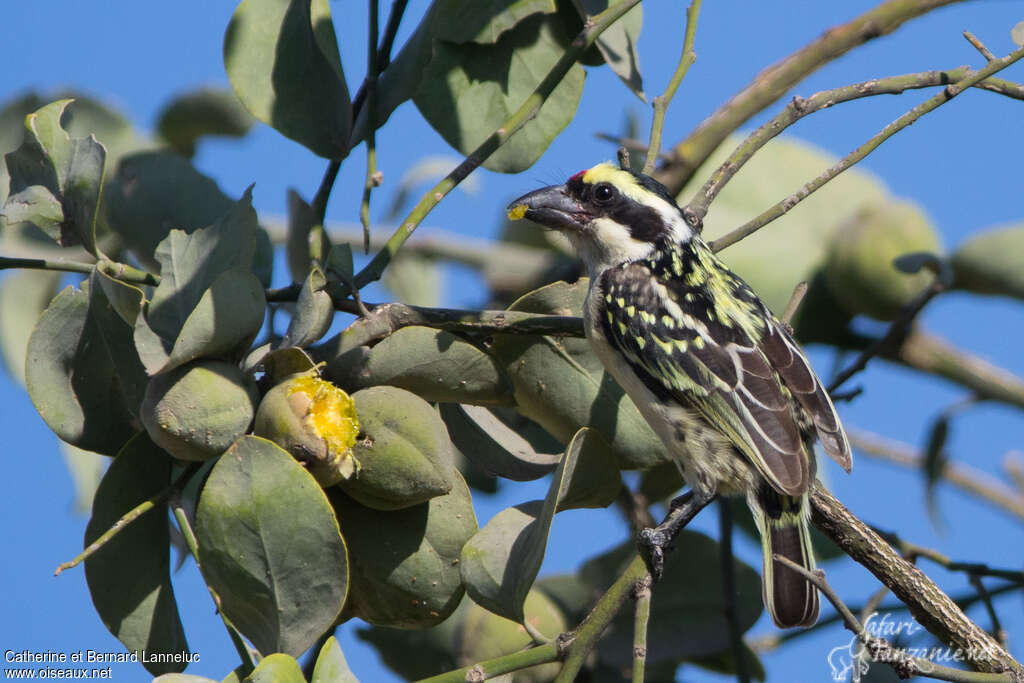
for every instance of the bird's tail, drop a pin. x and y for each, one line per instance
(783, 522)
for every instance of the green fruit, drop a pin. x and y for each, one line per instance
(405, 455)
(484, 635)
(859, 270)
(316, 422)
(992, 262)
(195, 411)
(404, 564)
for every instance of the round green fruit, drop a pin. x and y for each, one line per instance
(196, 411)
(859, 270)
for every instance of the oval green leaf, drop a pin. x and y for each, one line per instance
(129, 577)
(991, 262)
(283, 63)
(277, 668)
(195, 114)
(493, 445)
(269, 544)
(331, 666)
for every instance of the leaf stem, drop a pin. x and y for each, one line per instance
(526, 112)
(929, 105)
(499, 665)
(129, 517)
(193, 546)
(661, 102)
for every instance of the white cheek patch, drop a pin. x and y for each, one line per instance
(616, 242)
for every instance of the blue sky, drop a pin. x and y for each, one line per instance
(961, 164)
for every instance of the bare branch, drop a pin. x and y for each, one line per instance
(661, 102)
(772, 83)
(929, 105)
(928, 604)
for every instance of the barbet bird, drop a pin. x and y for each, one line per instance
(714, 373)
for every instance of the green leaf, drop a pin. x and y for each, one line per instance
(470, 90)
(934, 461)
(618, 42)
(283, 63)
(301, 220)
(405, 563)
(281, 363)
(1017, 34)
(208, 302)
(129, 577)
(451, 20)
(81, 371)
(570, 592)
(277, 668)
(142, 212)
(225, 321)
(314, 312)
(591, 472)
(331, 666)
(991, 262)
(24, 295)
(433, 646)
(71, 169)
(405, 456)
(560, 384)
(500, 562)
(434, 364)
(688, 613)
(269, 544)
(493, 445)
(725, 663)
(206, 111)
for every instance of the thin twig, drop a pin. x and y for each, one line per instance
(928, 604)
(686, 60)
(118, 271)
(193, 547)
(799, 107)
(913, 551)
(728, 571)
(929, 105)
(527, 111)
(642, 593)
(129, 517)
(372, 175)
(881, 650)
(776, 80)
(986, 599)
(964, 477)
(795, 299)
(893, 337)
(979, 46)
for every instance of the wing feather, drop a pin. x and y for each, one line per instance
(685, 355)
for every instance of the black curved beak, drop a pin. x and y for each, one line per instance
(551, 207)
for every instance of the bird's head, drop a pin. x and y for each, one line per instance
(610, 215)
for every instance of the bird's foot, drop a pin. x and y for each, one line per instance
(654, 542)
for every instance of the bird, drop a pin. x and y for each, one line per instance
(715, 374)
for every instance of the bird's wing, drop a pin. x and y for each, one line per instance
(789, 361)
(677, 344)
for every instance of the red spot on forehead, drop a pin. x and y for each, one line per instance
(578, 176)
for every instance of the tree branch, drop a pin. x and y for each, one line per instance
(661, 102)
(772, 83)
(800, 107)
(928, 604)
(929, 105)
(965, 477)
(881, 650)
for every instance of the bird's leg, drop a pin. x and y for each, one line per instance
(653, 543)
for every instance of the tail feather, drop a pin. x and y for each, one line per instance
(782, 520)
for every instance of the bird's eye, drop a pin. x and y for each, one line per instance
(603, 193)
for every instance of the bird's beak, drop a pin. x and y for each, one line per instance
(551, 207)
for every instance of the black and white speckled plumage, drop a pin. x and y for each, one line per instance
(717, 377)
